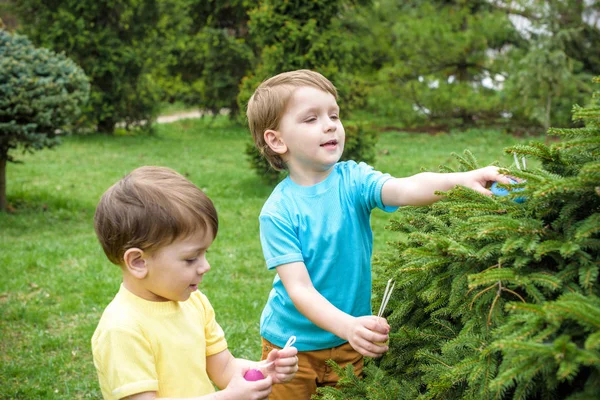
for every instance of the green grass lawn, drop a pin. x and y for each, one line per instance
(55, 278)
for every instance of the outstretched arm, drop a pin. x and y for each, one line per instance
(227, 373)
(360, 332)
(419, 189)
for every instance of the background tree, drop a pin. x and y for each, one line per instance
(452, 63)
(41, 93)
(313, 35)
(207, 53)
(8, 19)
(318, 35)
(553, 66)
(542, 75)
(496, 298)
(439, 60)
(116, 43)
(419, 62)
(551, 17)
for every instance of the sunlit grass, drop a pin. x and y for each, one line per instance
(56, 280)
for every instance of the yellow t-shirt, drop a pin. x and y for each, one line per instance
(141, 346)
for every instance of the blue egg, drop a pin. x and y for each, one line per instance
(498, 191)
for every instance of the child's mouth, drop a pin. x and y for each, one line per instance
(194, 287)
(331, 143)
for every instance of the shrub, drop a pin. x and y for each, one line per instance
(360, 143)
(315, 35)
(41, 93)
(496, 298)
(116, 43)
(207, 54)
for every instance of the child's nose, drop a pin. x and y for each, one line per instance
(330, 125)
(204, 267)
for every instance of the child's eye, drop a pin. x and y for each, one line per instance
(191, 260)
(310, 119)
(335, 116)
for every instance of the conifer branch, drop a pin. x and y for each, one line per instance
(530, 270)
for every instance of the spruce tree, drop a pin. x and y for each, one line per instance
(494, 298)
(41, 97)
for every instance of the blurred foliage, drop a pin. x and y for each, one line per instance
(41, 94)
(421, 63)
(319, 35)
(207, 53)
(114, 42)
(435, 59)
(360, 142)
(482, 63)
(554, 65)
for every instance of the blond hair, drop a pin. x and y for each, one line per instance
(150, 208)
(269, 101)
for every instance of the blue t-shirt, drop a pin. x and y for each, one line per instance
(326, 226)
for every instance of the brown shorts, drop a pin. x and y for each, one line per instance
(312, 370)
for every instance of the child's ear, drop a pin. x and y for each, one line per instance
(135, 263)
(274, 141)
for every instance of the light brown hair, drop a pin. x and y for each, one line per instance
(269, 101)
(150, 208)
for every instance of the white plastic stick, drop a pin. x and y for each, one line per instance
(289, 343)
(387, 288)
(386, 297)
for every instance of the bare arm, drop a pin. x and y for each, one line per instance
(221, 367)
(419, 189)
(152, 396)
(226, 372)
(361, 332)
(212, 396)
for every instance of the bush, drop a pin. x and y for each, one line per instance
(207, 53)
(496, 298)
(211, 69)
(261, 166)
(313, 35)
(116, 43)
(360, 143)
(41, 93)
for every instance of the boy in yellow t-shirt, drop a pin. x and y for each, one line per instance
(158, 337)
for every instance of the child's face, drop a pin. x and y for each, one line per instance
(176, 270)
(312, 131)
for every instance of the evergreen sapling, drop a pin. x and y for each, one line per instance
(496, 299)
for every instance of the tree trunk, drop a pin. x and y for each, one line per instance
(106, 126)
(462, 76)
(548, 112)
(3, 202)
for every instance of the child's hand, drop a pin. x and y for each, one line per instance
(365, 332)
(480, 178)
(283, 364)
(241, 389)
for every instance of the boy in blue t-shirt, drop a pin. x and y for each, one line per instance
(315, 228)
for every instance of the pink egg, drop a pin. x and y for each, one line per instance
(253, 375)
